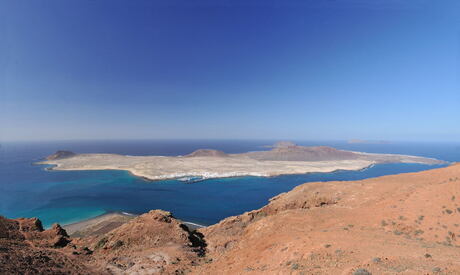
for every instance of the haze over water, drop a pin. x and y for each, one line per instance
(69, 196)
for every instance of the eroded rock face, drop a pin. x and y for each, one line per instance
(152, 243)
(33, 232)
(25, 248)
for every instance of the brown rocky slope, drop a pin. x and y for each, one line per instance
(405, 224)
(25, 248)
(400, 224)
(153, 243)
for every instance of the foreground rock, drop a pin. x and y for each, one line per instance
(25, 248)
(284, 158)
(152, 243)
(149, 244)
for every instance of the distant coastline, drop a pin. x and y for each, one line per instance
(284, 158)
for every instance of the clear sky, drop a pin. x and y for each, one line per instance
(322, 69)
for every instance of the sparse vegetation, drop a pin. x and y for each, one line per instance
(101, 243)
(208, 260)
(118, 244)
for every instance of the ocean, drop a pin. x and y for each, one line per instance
(28, 190)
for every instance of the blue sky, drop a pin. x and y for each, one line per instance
(230, 69)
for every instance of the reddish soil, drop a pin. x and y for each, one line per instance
(405, 224)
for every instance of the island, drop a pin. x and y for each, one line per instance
(283, 158)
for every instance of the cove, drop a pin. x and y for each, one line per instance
(79, 195)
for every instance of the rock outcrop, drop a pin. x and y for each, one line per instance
(154, 242)
(25, 248)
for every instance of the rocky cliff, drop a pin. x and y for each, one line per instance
(25, 248)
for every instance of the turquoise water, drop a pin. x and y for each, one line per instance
(28, 190)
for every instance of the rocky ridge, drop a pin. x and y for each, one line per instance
(25, 248)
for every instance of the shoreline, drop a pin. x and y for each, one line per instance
(206, 176)
(108, 221)
(51, 167)
(100, 223)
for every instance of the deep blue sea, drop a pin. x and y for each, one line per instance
(28, 190)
